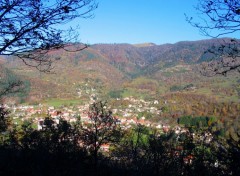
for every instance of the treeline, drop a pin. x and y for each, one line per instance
(12, 85)
(189, 104)
(76, 149)
(225, 128)
(196, 121)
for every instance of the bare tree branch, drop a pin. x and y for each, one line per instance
(219, 18)
(223, 58)
(31, 28)
(9, 83)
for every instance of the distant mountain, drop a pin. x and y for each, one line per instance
(113, 66)
(133, 58)
(144, 45)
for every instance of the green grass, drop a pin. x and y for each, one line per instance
(61, 102)
(168, 74)
(18, 121)
(182, 70)
(229, 99)
(222, 84)
(162, 90)
(135, 93)
(205, 91)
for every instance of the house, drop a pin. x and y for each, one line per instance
(166, 128)
(40, 124)
(159, 126)
(105, 147)
(188, 159)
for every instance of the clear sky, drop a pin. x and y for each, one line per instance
(140, 21)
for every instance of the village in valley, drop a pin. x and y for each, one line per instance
(127, 117)
(97, 88)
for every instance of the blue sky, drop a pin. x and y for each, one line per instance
(140, 21)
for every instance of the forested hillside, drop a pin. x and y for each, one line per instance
(155, 92)
(168, 73)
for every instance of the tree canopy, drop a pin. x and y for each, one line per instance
(30, 28)
(219, 18)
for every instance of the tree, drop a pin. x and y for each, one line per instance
(224, 57)
(131, 151)
(222, 16)
(31, 28)
(103, 128)
(11, 84)
(4, 120)
(219, 18)
(54, 150)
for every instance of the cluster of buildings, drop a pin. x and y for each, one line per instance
(127, 115)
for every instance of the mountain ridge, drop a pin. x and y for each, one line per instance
(117, 67)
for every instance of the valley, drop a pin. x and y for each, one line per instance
(149, 89)
(117, 88)
(168, 74)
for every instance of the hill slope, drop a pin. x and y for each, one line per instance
(144, 70)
